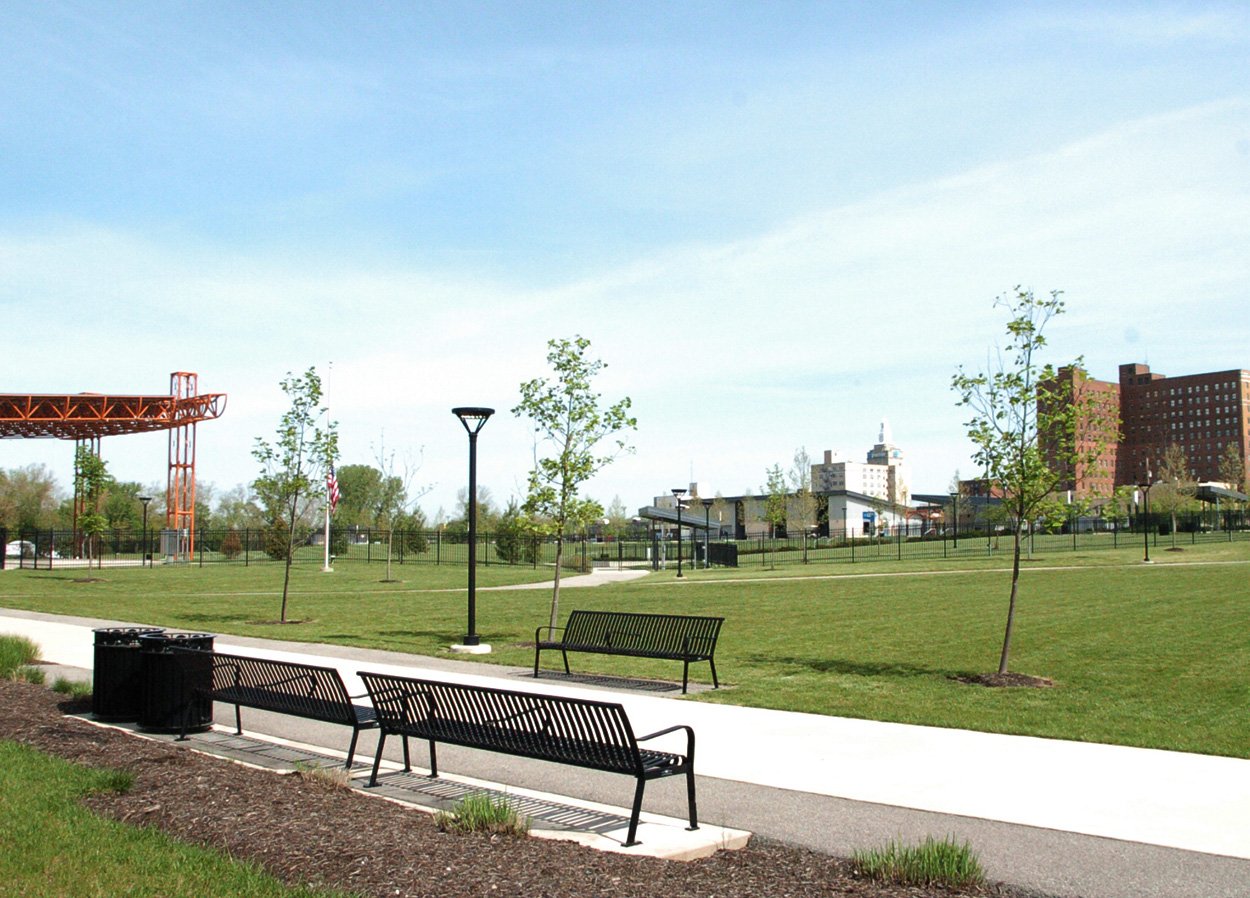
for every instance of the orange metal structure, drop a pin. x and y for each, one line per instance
(86, 417)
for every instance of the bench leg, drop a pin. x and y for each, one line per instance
(433, 760)
(715, 682)
(377, 759)
(630, 841)
(238, 721)
(536, 652)
(351, 749)
(566, 660)
(694, 808)
(685, 676)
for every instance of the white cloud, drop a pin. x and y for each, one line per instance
(735, 354)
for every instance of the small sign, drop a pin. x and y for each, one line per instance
(870, 516)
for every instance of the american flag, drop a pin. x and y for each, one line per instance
(332, 489)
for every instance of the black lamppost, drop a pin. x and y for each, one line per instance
(707, 531)
(1145, 529)
(955, 519)
(473, 420)
(146, 555)
(677, 494)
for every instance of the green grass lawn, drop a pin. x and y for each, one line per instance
(54, 847)
(1151, 655)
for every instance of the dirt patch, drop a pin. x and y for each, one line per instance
(1007, 680)
(308, 831)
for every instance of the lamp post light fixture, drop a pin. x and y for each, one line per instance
(147, 556)
(955, 519)
(473, 420)
(707, 531)
(1145, 527)
(678, 492)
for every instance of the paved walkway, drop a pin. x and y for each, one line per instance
(1067, 818)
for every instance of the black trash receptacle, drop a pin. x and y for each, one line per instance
(115, 679)
(173, 668)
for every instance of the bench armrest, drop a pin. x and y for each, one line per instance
(674, 729)
(551, 632)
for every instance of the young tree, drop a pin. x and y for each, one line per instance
(1174, 490)
(801, 507)
(618, 517)
(776, 496)
(571, 422)
(293, 467)
(91, 484)
(1024, 425)
(397, 502)
(1233, 468)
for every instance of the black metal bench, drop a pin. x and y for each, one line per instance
(591, 734)
(676, 637)
(285, 687)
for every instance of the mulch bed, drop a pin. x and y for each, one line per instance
(1007, 680)
(309, 831)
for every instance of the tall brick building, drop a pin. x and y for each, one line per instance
(1201, 413)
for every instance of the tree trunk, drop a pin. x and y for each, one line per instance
(1011, 604)
(290, 551)
(555, 589)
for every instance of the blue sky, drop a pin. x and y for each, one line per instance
(777, 222)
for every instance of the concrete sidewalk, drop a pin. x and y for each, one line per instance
(1145, 822)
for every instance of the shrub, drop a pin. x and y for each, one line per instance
(76, 689)
(482, 812)
(232, 545)
(16, 652)
(932, 862)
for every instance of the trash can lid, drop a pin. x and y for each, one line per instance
(119, 635)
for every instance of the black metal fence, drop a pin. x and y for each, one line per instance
(48, 549)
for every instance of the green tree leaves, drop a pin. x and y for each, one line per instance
(570, 422)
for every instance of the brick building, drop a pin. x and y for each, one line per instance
(1201, 413)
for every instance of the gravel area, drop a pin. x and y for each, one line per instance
(307, 830)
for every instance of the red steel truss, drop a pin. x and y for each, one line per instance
(86, 417)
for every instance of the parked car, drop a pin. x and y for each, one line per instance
(20, 548)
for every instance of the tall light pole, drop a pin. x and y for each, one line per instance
(146, 555)
(1145, 528)
(678, 492)
(955, 519)
(473, 420)
(707, 530)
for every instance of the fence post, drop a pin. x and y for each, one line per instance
(247, 546)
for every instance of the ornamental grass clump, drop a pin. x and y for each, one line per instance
(16, 652)
(482, 812)
(932, 862)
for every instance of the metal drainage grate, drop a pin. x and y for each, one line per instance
(553, 813)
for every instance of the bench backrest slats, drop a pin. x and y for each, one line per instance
(674, 634)
(302, 689)
(554, 728)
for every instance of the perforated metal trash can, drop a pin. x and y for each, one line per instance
(173, 668)
(115, 686)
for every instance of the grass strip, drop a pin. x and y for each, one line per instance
(56, 848)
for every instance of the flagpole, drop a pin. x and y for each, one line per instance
(326, 569)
